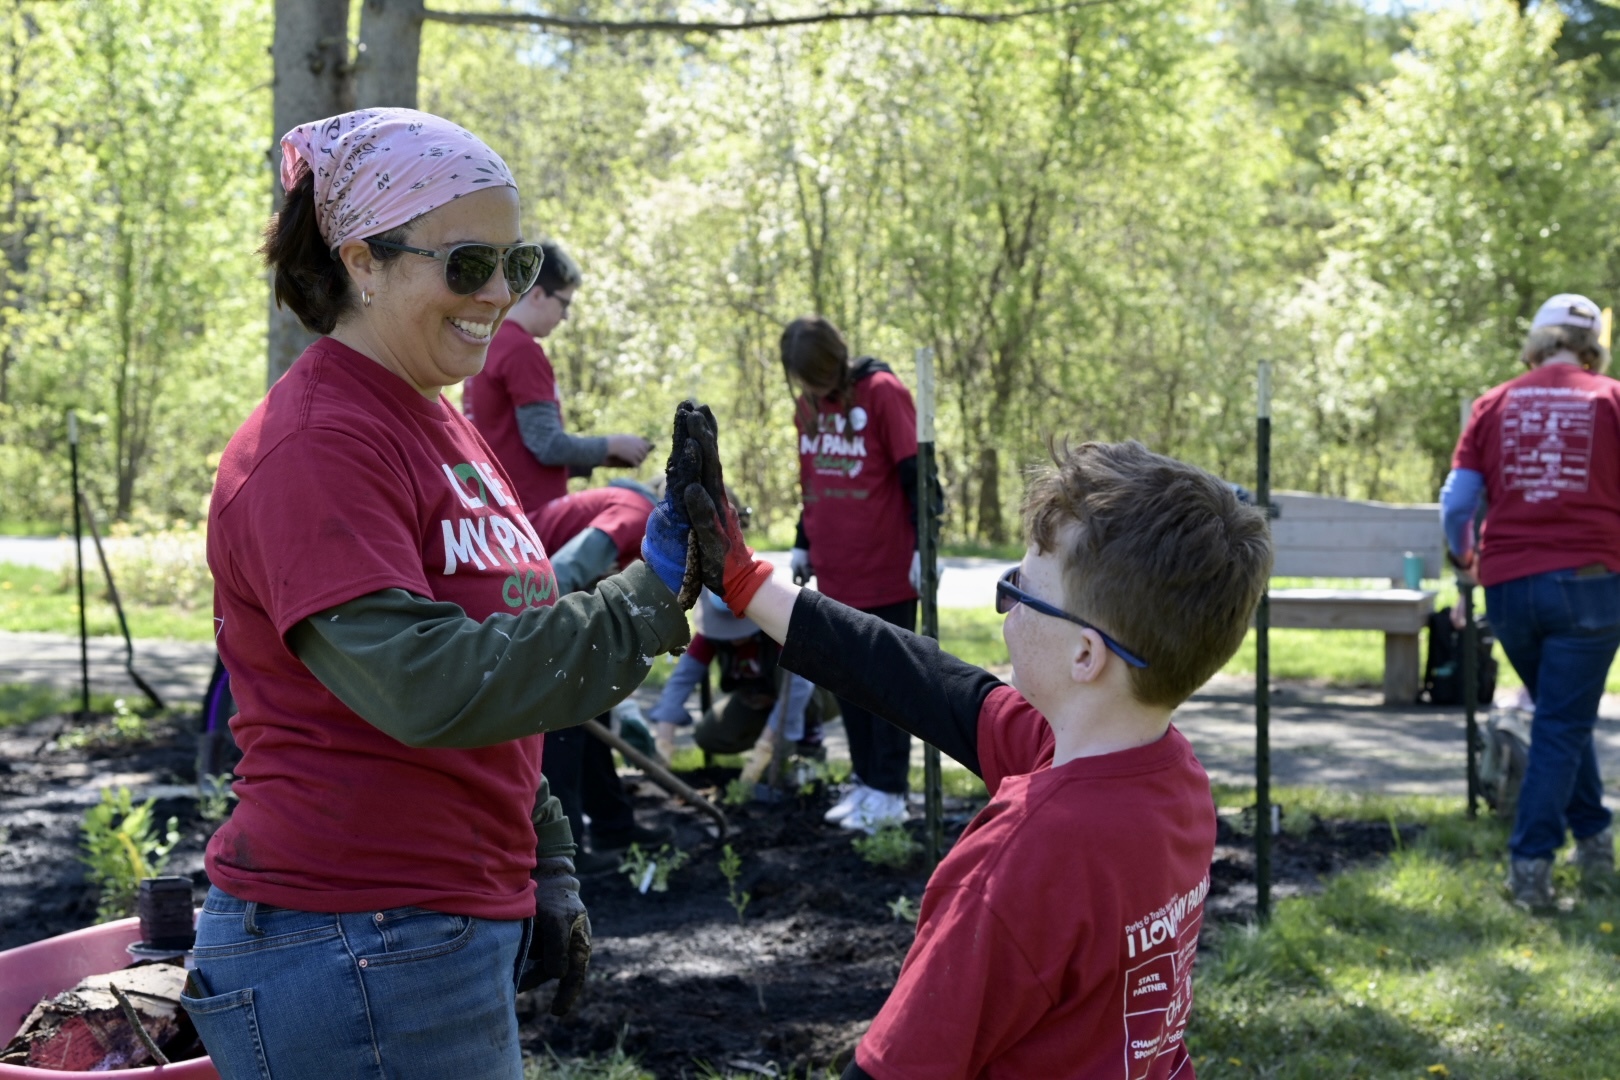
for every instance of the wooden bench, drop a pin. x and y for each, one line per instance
(1319, 537)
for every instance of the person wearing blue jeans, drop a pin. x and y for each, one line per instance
(1541, 453)
(1560, 631)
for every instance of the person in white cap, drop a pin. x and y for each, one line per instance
(1542, 453)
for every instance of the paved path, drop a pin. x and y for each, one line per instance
(1345, 739)
(177, 670)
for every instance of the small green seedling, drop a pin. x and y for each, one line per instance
(731, 870)
(904, 909)
(128, 724)
(121, 846)
(214, 796)
(651, 871)
(738, 792)
(890, 846)
(125, 726)
(1298, 821)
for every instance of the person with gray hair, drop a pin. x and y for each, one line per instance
(1541, 452)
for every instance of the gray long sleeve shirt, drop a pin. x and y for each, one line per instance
(540, 424)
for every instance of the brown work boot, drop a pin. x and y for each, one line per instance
(1530, 883)
(1594, 858)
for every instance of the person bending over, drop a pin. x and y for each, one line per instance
(761, 710)
(857, 441)
(1057, 937)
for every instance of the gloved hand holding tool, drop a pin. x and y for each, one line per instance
(561, 946)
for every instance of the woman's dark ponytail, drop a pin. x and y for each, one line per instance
(308, 280)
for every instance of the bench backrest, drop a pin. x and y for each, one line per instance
(1317, 536)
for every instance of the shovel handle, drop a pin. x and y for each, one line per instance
(658, 774)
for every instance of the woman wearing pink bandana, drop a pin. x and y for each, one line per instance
(395, 870)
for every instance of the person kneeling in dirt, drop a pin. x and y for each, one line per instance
(594, 533)
(762, 710)
(1057, 937)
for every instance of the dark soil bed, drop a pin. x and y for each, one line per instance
(677, 977)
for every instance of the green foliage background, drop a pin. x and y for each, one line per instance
(1098, 219)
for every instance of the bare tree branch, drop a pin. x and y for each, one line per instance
(678, 26)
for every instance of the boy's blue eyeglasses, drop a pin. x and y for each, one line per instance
(1009, 596)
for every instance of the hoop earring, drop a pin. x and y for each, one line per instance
(365, 298)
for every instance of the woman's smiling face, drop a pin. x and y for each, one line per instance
(425, 333)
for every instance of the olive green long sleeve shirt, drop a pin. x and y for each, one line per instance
(425, 673)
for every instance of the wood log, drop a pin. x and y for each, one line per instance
(86, 1029)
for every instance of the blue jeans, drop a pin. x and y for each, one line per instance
(399, 994)
(1560, 632)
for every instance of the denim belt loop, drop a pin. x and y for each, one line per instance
(249, 910)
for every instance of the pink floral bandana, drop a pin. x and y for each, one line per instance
(376, 169)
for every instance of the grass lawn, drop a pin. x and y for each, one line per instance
(1417, 966)
(46, 601)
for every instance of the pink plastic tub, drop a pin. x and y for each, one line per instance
(48, 967)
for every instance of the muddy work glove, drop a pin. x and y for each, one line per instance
(561, 946)
(726, 563)
(665, 543)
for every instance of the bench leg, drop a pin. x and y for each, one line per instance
(1402, 669)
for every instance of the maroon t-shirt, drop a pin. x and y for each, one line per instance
(617, 511)
(517, 372)
(345, 481)
(1548, 445)
(1056, 940)
(856, 516)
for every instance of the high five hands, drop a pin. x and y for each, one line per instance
(693, 539)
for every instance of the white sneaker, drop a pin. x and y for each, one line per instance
(852, 800)
(880, 808)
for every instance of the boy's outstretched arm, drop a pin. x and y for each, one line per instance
(903, 677)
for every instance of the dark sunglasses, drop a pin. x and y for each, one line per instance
(467, 267)
(1009, 596)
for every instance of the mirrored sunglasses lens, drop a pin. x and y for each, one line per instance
(468, 267)
(522, 267)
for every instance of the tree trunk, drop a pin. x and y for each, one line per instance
(310, 53)
(992, 527)
(390, 48)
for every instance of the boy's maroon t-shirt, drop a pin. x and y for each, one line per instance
(516, 372)
(619, 512)
(345, 481)
(1548, 445)
(1056, 939)
(856, 517)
